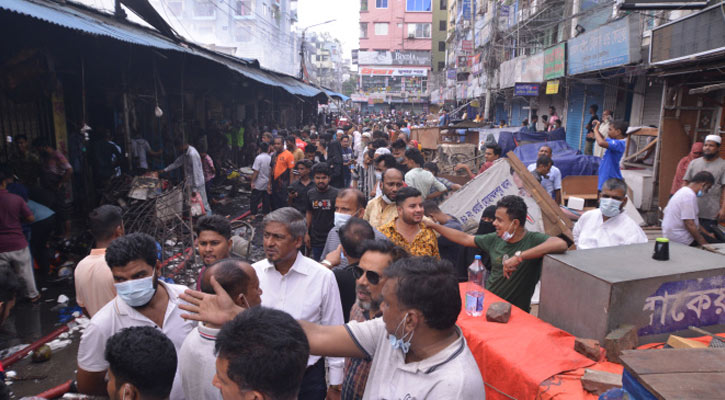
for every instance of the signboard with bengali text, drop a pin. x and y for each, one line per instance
(555, 61)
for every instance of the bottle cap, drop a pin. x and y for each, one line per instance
(477, 257)
(663, 240)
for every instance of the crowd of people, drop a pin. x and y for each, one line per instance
(358, 294)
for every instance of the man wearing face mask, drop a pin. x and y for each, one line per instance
(197, 361)
(680, 223)
(350, 203)
(382, 210)
(712, 203)
(608, 225)
(142, 300)
(516, 253)
(417, 351)
(141, 364)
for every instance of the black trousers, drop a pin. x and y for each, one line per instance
(40, 233)
(255, 198)
(313, 382)
(711, 226)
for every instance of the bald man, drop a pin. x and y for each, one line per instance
(382, 210)
(197, 362)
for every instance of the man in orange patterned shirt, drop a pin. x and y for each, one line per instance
(407, 229)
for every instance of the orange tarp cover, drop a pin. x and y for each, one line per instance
(516, 357)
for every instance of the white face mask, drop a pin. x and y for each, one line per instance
(341, 219)
(378, 176)
(136, 292)
(506, 235)
(386, 199)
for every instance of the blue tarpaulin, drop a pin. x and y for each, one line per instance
(527, 135)
(568, 160)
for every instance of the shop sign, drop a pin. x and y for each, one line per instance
(526, 89)
(403, 57)
(696, 35)
(554, 61)
(451, 73)
(610, 45)
(369, 71)
(552, 87)
(476, 68)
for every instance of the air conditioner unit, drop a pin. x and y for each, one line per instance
(411, 36)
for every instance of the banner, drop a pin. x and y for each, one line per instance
(526, 89)
(555, 61)
(401, 57)
(393, 71)
(486, 189)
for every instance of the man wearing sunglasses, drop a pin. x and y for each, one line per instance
(368, 274)
(417, 351)
(352, 235)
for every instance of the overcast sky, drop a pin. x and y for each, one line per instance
(345, 12)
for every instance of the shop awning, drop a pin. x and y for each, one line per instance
(336, 95)
(89, 21)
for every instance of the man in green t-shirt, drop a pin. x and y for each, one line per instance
(515, 279)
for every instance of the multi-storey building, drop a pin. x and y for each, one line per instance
(395, 54)
(323, 59)
(243, 28)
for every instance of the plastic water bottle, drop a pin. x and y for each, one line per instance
(474, 290)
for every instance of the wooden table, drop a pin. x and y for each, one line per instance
(678, 373)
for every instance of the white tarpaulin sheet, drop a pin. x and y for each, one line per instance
(486, 189)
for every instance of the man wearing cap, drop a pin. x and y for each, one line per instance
(712, 202)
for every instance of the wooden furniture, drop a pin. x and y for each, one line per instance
(677, 373)
(582, 186)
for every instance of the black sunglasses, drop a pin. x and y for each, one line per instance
(372, 276)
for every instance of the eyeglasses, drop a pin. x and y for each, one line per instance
(372, 276)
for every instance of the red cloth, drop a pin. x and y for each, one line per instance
(516, 357)
(695, 152)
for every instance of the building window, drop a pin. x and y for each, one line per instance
(242, 8)
(442, 26)
(381, 29)
(204, 8)
(441, 46)
(417, 5)
(381, 3)
(444, 5)
(441, 66)
(363, 30)
(363, 5)
(419, 31)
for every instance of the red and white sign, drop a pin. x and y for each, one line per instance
(370, 71)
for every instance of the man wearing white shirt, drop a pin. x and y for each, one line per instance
(304, 289)
(141, 300)
(551, 178)
(680, 223)
(608, 225)
(193, 171)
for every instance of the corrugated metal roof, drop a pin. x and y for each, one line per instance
(96, 23)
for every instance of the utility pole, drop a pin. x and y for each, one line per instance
(302, 47)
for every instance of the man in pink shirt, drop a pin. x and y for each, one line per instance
(93, 277)
(14, 250)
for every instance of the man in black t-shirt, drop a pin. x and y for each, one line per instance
(320, 210)
(589, 147)
(298, 189)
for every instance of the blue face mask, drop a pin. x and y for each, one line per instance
(609, 207)
(137, 292)
(404, 342)
(700, 193)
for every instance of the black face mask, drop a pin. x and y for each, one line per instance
(485, 227)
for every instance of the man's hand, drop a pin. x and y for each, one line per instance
(269, 188)
(429, 223)
(721, 215)
(335, 257)
(308, 240)
(509, 266)
(216, 309)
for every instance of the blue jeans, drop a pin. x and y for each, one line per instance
(317, 252)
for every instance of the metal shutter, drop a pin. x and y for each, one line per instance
(652, 104)
(517, 112)
(580, 97)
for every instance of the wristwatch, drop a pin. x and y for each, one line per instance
(337, 388)
(326, 263)
(518, 255)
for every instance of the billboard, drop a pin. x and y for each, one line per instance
(370, 71)
(407, 57)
